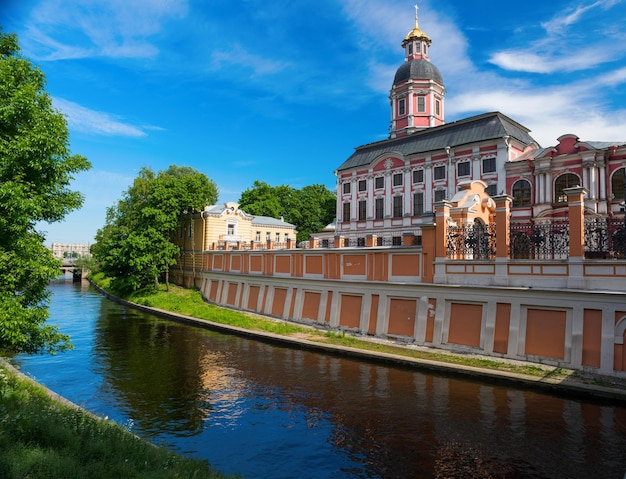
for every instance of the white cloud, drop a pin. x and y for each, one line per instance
(564, 48)
(84, 28)
(85, 120)
(382, 26)
(255, 65)
(531, 62)
(548, 112)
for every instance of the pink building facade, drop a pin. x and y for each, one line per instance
(385, 187)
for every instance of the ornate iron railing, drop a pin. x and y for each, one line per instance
(475, 241)
(605, 238)
(539, 240)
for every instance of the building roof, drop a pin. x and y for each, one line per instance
(488, 126)
(218, 210)
(269, 221)
(417, 70)
(602, 145)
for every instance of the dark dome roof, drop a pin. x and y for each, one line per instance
(418, 70)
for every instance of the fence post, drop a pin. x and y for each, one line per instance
(428, 247)
(576, 213)
(442, 216)
(503, 225)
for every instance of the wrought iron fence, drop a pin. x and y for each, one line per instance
(475, 241)
(539, 240)
(605, 238)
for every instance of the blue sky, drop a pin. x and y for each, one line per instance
(282, 91)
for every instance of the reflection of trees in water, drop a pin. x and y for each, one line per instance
(154, 367)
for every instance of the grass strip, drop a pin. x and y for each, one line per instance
(190, 302)
(44, 438)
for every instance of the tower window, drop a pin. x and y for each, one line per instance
(346, 212)
(401, 106)
(618, 184)
(463, 169)
(562, 182)
(410, 48)
(421, 104)
(418, 176)
(437, 107)
(489, 165)
(397, 206)
(521, 193)
(362, 210)
(439, 172)
(418, 204)
(380, 208)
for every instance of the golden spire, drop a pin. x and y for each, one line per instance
(416, 33)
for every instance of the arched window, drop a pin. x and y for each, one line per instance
(618, 184)
(521, 193)
(564, 181)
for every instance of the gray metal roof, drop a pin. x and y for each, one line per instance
(488, 126)
(418, 70)
(269, 221)
(601, 145)
(255, 220)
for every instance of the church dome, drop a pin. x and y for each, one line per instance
(418, 70)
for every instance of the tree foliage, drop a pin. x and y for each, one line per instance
(310, 209)
(36, 169)
(134, 246)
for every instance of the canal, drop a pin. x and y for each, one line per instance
(264, 411)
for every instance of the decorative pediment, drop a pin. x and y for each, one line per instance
(471, 202)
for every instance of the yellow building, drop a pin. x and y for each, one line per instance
(225, 226)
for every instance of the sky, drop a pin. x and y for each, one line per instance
(282, 91)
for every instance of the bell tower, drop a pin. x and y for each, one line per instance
(417, 94)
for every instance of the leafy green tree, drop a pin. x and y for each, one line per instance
(310, 209)
(134, 246)
(36, 169)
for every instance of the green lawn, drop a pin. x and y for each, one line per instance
(44, 438)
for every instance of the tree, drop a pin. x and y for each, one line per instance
(36, 169)
(309, 209)
(134, 247)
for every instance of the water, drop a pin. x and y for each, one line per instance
(265, 411)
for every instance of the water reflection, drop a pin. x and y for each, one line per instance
(265, 411)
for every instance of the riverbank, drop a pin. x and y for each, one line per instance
(44, 435)
(188, 306)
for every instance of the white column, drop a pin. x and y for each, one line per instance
(428, 187)
(371, 201)
(388, 194)
(406, 187)
(593, 183)
(602, 181)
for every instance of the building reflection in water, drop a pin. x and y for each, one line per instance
(266, 411)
